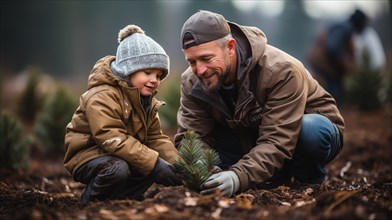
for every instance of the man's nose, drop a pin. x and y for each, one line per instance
(200, 69)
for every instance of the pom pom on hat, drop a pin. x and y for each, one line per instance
(129, 30)
(137, 51)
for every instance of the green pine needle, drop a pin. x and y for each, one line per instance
(194, 163)
(14, 147)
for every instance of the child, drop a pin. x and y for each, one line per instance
(114, 142)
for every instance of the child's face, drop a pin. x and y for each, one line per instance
(147, 80)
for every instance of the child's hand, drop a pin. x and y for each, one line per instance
(163, 173)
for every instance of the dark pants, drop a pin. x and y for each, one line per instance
(318, 143)
(110, 177)
(335, 86)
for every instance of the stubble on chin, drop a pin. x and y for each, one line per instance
(211, 86)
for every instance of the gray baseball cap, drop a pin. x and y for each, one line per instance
(202, 27)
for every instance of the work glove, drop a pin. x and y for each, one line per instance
(163, 173)
(227, 182)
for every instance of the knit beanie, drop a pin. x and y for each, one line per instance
(137, 51)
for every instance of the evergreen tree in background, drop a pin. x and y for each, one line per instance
(171, 95)
(14, 149)
(195, 165)
(30, 101)
(364, 86)
(51, 122)
(388, 88)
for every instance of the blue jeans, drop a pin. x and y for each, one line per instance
(318, 143)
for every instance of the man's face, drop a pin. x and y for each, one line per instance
(210, 63)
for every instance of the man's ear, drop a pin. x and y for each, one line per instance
(231, 46)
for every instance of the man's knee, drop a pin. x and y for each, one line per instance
(315, 137)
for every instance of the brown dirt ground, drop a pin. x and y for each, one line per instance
(359, 186)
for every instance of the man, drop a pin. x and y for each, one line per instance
(257, 106)
(366, 40)
(338, 50)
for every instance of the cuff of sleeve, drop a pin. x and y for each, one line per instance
(243, 179)
(236, 181)
(149, 163)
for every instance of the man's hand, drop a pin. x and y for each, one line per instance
(227, 182)
(163, 173)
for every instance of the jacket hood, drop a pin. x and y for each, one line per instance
(102, 74)
(251, 43)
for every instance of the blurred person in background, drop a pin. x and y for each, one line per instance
(367, 43)
(254, 104)
(332, 56)
(339, 51)
(367, 87)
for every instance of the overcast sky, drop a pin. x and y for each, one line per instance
(317, 8)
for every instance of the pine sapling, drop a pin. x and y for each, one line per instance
(14, 147)
(195, 165)
(31, 100)
(364, 87)
(52, 120)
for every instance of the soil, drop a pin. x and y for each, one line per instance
(359, 186)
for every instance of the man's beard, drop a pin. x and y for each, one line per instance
(210, 87)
